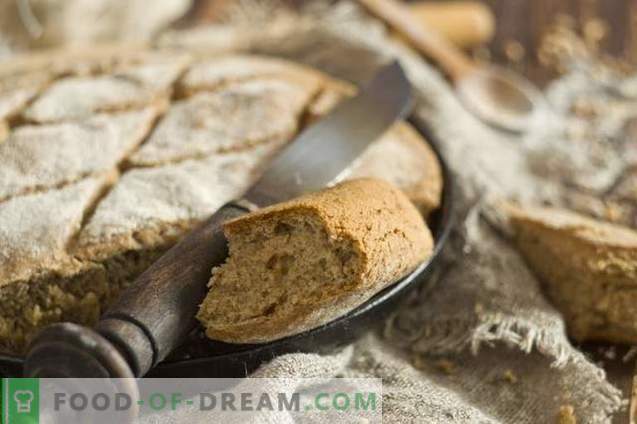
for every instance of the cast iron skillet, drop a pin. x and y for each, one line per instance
(200, 357)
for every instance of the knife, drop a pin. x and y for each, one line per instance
(153, 316)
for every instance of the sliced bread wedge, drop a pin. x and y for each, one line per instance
(302, 263)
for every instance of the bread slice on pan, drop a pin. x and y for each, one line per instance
(302, 263)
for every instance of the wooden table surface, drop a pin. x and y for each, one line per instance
(610, 25)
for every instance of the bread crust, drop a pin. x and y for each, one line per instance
(376, 222)
(588, 267)
(27, 164)
(401, 156)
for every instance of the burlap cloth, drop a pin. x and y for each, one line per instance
(480, 344)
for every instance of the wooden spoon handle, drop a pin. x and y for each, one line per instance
(398, 16)
(464, 23)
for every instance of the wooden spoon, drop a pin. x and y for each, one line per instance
(466, 24)
(494, 94)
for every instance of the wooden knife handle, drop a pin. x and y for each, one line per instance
(151, 317)
(428, 42)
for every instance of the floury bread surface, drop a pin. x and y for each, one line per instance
(94, 187)
(589, 269)
(302, 263)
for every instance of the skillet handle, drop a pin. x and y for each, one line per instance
(150, 318)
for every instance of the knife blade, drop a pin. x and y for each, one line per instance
(154, 315)
(324, 150)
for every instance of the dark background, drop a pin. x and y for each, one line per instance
(609, 26)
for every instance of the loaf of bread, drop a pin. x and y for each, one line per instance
(111, 155)
(400, 157)
(589, 269)
(302, 263)
(405, 161)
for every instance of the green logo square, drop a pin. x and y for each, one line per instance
(20, 401)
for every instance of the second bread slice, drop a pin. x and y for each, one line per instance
(302, 263)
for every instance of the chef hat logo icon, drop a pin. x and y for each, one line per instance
(23, 399)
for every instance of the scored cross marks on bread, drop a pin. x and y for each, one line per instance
(93, 190)
(232, 118)
(77, 97)
(41, 157)
(15, 94)
(214, 73)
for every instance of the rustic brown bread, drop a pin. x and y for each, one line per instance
(18, 90)
(214, 73)
(38, 277)
(589, 269)
(134, 87)
(94, 188)
(231, 118)
(302, 263)
(27, 154)
(401, 158)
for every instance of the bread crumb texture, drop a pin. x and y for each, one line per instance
(589, 269)
(109, 156)
(302, 263)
